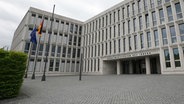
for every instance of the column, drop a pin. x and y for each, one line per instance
(118, 67)
(148, 70)
(130, 67)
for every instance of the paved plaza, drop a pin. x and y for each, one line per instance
(110, 89)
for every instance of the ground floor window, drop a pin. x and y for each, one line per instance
(176, 57)
(167, 58)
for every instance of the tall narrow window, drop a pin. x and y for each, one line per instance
(149, 39)
(130, 43)
(114, 46)
(118, 29)
(118, 15)
(128, 11)
(57, 65)
(123, 13)
(156, 38)
(58, 51)
(181, 28)
(142, 41)
(133, 8)
(176, 57)
(110, 48)
(129, 26)
(147, 20)
(152, 3)
(146, 4)
(53, 50)
(161, 14)
(51, 65)
(173, 34)
(178, 10)
(124, 44)
(140, 23)
(164, 36)
(159, 2)
(169, 13)
(123, 28)
(139, 6)
(135, 41)
(167, 58)
(154, 18)
(134, 24)
(119, 45)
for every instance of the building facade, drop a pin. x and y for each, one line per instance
(136, 37)
(132, 37)
(65, 43)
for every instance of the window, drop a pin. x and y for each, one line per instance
(167, 0)
(181, 28)
(53, 50)
(176, 57)
(145, 4)
(47, 50)
(123, 28)
(26, 49)
(51, 65)
(129, 26)
(147, 20)
(134, 24)
(154, 18)
(40, 50)
(140, 23)
(135, 41)
(64, 52)
(139, 6)
(128, 11)
(71, 28)
(164, 36)
(133, 8)
(169, 13)
(149, 39)
(118, 29)
(118, 15)
(142, 41)
(119, 45)
(114, 30)
(167, 58)
(156, 38)
(152, 3)
(33, 52)
(114, 46)
(109, 48)
(123, 13)
(173, 34)
(159, 2)
(58, 51)
(124, 44)
(130, 43)
(178, 10)
(161, 14)
(57, 65)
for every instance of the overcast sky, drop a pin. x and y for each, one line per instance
(12, 12)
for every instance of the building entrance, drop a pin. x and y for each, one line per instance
(146, 65)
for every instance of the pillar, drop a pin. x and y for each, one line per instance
(148, 69)
(130, 67)
(118, 67)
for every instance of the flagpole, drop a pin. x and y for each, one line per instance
(35, 63)
(47, 51)
(30, 51)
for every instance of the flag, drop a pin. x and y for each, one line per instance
(33, 36)
(40, 28)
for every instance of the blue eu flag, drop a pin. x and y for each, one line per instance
(33, 36)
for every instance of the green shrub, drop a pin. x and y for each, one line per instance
(12, 70)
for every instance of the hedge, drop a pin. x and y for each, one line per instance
(12, 70)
